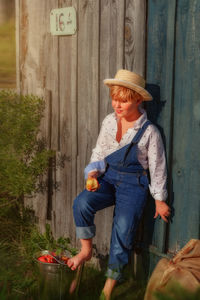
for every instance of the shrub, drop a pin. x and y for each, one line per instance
(23, 156)
(23, 160)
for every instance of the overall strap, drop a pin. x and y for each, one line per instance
(137, 137)
(140, 132)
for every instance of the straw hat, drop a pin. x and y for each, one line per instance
(130, 80)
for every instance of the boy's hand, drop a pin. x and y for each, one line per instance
(162, 209)
(93, 174)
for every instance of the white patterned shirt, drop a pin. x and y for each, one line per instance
(151, 153)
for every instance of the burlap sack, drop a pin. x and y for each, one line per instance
(184, 268)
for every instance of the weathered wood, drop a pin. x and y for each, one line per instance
(68, 71)
(40, 202)
(111, 59)
(68, 131)
(7, 10)
(173, 65)
(186, 137)
(160, 57)
(38, 62)
(72, 69)
(134, 58)
(135, 36)
(17, 39)
(88, 85)
(111, 48)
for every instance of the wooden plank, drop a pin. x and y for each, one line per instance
(7, 10)
(160, 58)
(88, 83)
(68, 132)
(135, 36)
(40, 202)
(186, 138)
(111, 49)
(38, 55)
(38, 62)
(50, 79)
(74, 107)
(71, 72)
(135, 44)
(17, 39)
(111, 59)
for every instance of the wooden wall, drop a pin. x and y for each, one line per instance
(173, 69)
(68, 72)
(7, 10)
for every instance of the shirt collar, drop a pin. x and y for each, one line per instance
(140, 121)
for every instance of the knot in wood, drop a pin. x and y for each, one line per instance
(127, 32)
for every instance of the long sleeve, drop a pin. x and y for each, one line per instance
(97, 162)
(157, 166)
(97, 152)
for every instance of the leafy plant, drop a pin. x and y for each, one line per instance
(46, 241)
(23, 160)
(19, 273)
(23, 156)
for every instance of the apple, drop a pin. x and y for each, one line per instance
(92, 184)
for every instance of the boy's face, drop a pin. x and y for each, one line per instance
(125, 108)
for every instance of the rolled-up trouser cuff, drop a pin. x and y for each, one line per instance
(113, 274)
(85, 232)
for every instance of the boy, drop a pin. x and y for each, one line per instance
(128, 145)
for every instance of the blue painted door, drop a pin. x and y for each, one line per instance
(173, 76)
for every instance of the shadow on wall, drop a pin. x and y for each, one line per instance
(144, 235)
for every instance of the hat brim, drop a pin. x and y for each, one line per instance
(146, 96)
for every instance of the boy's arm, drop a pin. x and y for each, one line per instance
(158, 174)
(97, 165)
(94, 169)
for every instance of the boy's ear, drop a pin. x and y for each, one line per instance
(139, 101)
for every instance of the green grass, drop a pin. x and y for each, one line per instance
(23, 281)
(7, 55)
(93, 281)
(20, 276)
(175, 291)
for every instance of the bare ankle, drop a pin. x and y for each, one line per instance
(86, 246)
(108, 287)
(86, 250)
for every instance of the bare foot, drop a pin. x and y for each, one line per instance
(78, 259)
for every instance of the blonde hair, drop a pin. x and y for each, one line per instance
(121, 93)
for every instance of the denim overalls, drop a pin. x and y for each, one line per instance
(125, 185)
